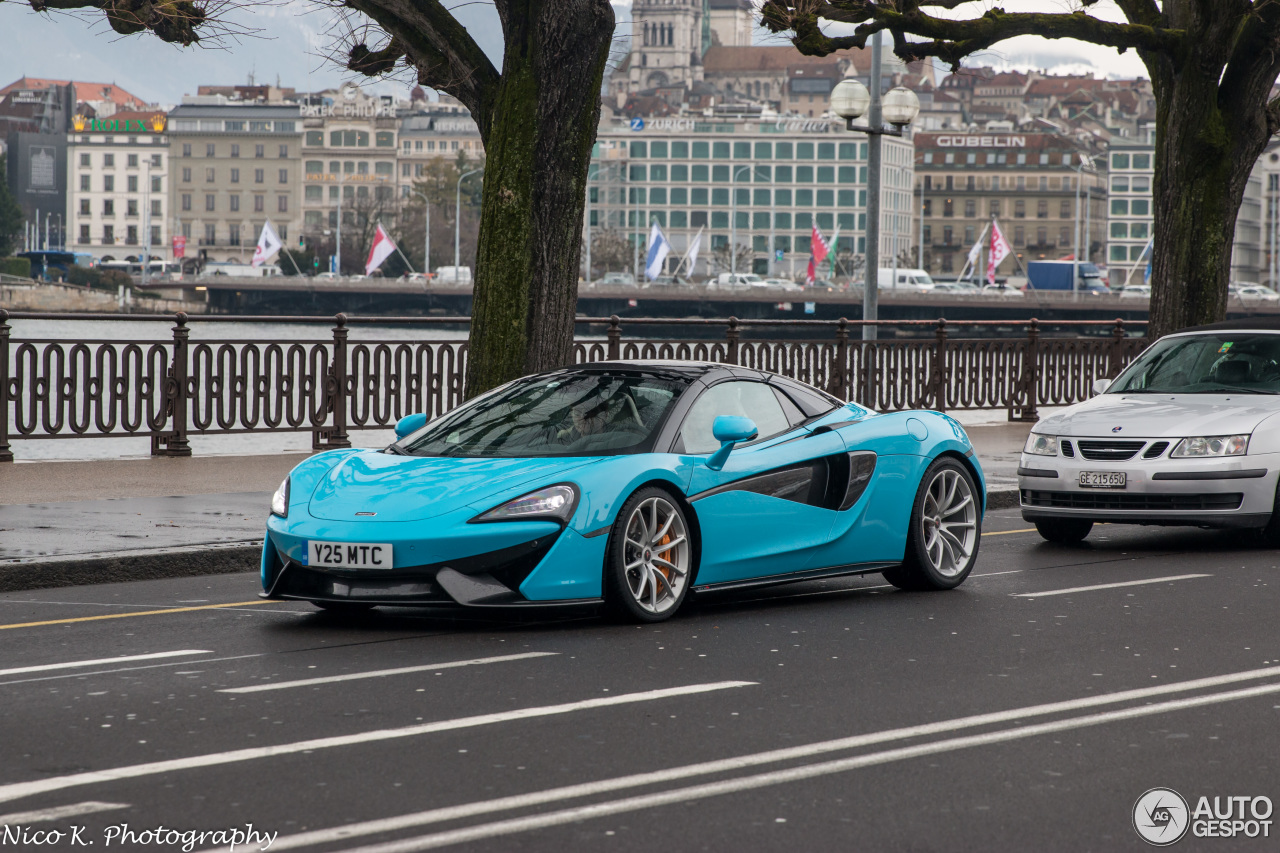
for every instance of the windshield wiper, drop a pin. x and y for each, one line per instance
(1236, 388)
(391, 448)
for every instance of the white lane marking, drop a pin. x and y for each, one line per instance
(203, 662)
(795, 774)
(381, 673)
(743, 762)
(1105, 586)
(993, 574)
(17, 790)
(59, 813)
(98, 661)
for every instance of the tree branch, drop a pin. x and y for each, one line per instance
(952, 40)
(174, 21)
(430, 39)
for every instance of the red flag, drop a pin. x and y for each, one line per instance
(383, 247)
(819, 249)
(1000, 250)
(809, 277)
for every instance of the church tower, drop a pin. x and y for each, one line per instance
(731, 22)
(667, 41)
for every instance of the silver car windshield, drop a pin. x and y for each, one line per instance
(1238, 362)
(564, 415)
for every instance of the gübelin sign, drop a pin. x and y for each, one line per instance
(155, 124)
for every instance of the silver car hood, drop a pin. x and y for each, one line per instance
(1161, 415)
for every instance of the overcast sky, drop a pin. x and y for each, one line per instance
(293, 35)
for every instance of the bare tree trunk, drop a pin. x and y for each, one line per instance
(537, 156)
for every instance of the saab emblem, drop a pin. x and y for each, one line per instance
(1116, 429)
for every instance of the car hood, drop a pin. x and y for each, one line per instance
(1161, 415)
(414, 488)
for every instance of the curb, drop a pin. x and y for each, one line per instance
(1003, 498)
(141, 565)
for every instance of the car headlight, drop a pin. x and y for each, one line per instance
(553, 502)
(280, 500)
(1041, 445)
(1211, 445)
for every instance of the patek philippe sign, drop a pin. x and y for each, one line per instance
(981, 142)
(373, 109)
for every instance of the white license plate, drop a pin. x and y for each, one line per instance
(349, 555)
(1102, 480)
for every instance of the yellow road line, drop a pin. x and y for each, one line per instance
(1007, 532)
(130, 615)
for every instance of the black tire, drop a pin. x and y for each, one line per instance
(1064, 531)
(345, 608)
(1271, 533)
(922, 568)
(659, 578)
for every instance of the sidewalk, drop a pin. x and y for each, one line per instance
(67, 523)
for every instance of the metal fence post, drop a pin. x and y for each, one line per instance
(337, 394)
(175, 441)
(838, 384)
(731, 336)
(6, 453)
(1022, 405)
(615, 338)
(1117, 349)
(940, 367)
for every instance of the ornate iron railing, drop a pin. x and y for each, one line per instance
(172, 388)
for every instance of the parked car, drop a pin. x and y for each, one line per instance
(1256, 293)
(1135, 291)
(1188, 434)
(735, 281)
(453, 275)
(666, 281)
(1002, 291)
(628, 484)
(618, 279)
(956, 288)
(783, 284)
(328, 276)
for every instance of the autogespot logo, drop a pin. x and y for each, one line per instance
(1160, 816)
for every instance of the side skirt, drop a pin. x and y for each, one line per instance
(795, 577)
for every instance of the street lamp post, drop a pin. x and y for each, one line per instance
(1085, 164)
(733, 218)
(850, 100)
(457, 223)
(426, 237)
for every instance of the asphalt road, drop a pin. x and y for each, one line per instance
(1027, 710)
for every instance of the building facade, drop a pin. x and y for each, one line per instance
(232, 168)
(761, 185)
(349, 156)
(1131, 217)
(118, 186)
(432, 136)
(1033, 184)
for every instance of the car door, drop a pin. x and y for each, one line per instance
(766, 511)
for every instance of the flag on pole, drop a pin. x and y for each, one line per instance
(659, 248)
(976, 252)
(1000, 250)
(268, 244)
(383, 247)
(831, 257)
(691, 256)
(818, 251)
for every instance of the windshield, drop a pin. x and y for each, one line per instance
(1244, 362)
(588, 414)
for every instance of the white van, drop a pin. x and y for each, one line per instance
(909, 280)
(735, 281)
(453, 275)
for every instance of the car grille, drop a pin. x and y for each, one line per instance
(1156, 449)
(1109, 451)
(1132, 501)
(1068, 451)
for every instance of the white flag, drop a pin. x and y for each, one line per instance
(268, 244)
(1000, 250)
(976, 252)
(383, 247)
(659, 248)
(691, 256)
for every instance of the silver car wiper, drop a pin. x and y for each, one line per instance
(1239, 388)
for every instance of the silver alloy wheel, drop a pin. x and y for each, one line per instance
(949, 523)
(655, 555)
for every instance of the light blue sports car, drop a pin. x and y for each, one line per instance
(628, 484)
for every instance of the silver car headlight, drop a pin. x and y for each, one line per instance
(553, 502)
(1211, 445)
(280, 500)
(1041, 445)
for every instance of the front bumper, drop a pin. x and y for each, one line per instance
(1232, 492)
(510, 564)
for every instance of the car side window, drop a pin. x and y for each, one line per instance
(754, 400)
